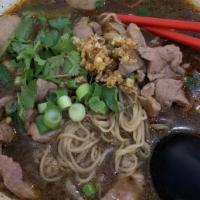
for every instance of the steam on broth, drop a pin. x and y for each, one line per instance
(82, 98)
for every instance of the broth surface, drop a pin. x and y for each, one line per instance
(23, 149)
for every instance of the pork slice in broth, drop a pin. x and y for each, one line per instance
(127, 188)
(8, 24)
(168, 91)
(11, 173)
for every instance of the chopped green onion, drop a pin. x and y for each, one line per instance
(11, 107)
(18, 80)
(40, 124)
(82, 90)
(54, 95)
(64, 102)
(77, 112)
(72, 84)
(89, 190)
(42, 107)
(97, 105)
(52, 117)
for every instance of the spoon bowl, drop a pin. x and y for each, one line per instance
(175, 167)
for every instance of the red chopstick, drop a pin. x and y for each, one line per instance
(175, 36)
(162, 23)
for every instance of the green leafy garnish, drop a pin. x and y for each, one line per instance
(100, 4)
(6, 78)
(24, 29)
(40, 125)
(52, 66)
(64, 44)
(28, 95)
(97, 105)
(72, 63)
(50, 38)
(110, 96)
(60, 23)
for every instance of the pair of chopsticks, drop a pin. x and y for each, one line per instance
(165, 28)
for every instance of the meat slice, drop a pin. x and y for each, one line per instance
(165, 62)
(43, 87)
(168, 91)
(8, 24)
(148, 90)
(134, 32)
(82, 29)
(127, 188)
(127, 69)
(82, 4)
(11, 173)
(6, 132)
(36, 136)
(151, 106)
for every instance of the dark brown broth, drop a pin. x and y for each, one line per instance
(22, 148)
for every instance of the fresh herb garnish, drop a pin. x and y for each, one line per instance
(6, 77)
(97, 105)
(28, 95)
(72, 63)
(60, 23)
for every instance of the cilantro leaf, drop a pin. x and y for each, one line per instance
(52, 66)
(109, 96)
(64, 44)
(60, 23)
(28, 95)
(24, 29)
(50, 38)
(6, 77)
(27, 53)
(97, 90)
(72, 63)
(97, 105)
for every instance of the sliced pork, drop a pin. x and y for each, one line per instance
(11, 173)
(148, 90)
(6, 132)
(168, 91)
(151, 106)
(127, 188)
(82, 28)
(165, 62)
(43, 87)
(8, 24)
(34, 133)
(82, 4)
(128, 69)
(135, 33)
